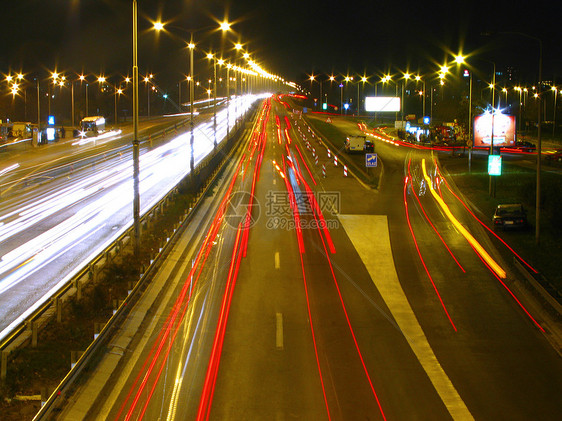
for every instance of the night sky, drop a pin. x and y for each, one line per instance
(291, 38)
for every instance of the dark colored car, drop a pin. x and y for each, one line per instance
(511, 215)
(525, 146)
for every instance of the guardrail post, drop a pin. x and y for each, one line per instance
(34, 329)
(74, 357)
(4, 365)
(44, 395)
(78, 287)
(58, 306)
(97, 329)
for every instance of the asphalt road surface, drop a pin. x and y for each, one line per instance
(294, 296)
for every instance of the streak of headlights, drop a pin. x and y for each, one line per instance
(104, 193)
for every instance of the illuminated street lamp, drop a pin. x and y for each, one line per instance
(118, 92)
(492, 86)
(228, 67)
(211, 56)
(158, 26)
(404, 81)
(82, 78)
(312, 78)
(492, 184)
(364, 79)
(146, 81)
(422, 93)
(518, 89)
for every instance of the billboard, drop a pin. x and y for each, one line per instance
(504, 130)
(382, 104)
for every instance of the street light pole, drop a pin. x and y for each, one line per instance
(492, 183)
(148, 100)
(38, 109)
(136, 166)
(321, 99)
(341, 98)
(191, 94)
(211, 56)
(358, 101)
(539, 144)
(228, 100)
(539, 139)
(555, 90)
(72, 99)
(470, 123)
(115, 93)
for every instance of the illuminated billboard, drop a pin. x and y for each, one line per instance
(382, 104)
(504, 130)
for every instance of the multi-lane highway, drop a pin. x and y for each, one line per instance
(64, 203)
(293, 296)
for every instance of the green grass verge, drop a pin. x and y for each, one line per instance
(517, 185)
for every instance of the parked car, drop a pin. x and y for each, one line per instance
(511, 215)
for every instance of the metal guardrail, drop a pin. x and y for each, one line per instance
(126, 305)
(550, 295)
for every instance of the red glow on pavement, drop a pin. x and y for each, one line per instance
(306, 166)
(214, 361)
(296, 214)
(433, 226)
(162, 346)
(314, 339)
(420, 255)
(351, 329)
(319, 216)
(482, 223)
(512, 294)
(287, 136)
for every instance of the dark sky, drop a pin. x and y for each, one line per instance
(289, 37)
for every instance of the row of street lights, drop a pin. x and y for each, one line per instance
(58, 79)
(460, 59)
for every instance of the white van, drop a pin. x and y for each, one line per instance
(358, 144)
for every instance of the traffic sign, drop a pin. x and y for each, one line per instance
(494, 165)
(371, 160)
